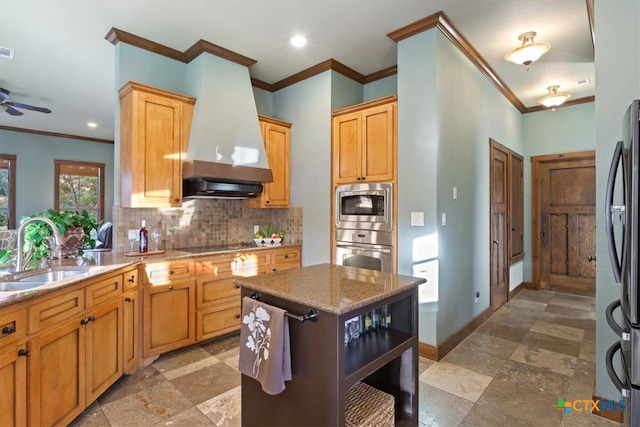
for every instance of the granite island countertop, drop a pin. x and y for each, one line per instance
(332, 288)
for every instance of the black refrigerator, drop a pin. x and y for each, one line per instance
(621, 221)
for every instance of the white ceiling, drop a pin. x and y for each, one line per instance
(63, 62)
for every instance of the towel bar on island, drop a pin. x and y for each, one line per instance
(311, 315)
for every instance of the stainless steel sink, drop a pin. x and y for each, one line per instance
(26, 280)
(52, 276)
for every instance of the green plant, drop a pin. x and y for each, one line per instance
(37, 233)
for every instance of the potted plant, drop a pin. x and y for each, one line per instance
(75, 227)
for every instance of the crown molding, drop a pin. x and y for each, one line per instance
(55, 134)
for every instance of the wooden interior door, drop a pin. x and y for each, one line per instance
(564, 223)
(499, 275)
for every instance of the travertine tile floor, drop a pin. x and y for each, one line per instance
(510, 372)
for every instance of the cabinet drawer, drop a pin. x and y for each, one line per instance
(103, 290)
(223, 320)
(159, 272)
(211, 291)
(55, 309)
(243, 264)
(284, 266)
(130, 279)
(13, 326)
(285, 256)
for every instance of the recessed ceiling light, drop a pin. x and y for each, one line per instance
(92, 124)
(298, 41)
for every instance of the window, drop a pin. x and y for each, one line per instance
(7, 191)
(79, 186)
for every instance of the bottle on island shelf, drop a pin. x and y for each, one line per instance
(144, 239)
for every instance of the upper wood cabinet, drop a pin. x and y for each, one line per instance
(364, 142)
(276, 137)
(154, 133)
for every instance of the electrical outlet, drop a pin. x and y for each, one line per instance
(477, 296)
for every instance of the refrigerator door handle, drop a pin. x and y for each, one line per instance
(612, 373)
(626, 336)
(610, 209)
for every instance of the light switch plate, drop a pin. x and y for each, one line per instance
(417, 219)
(444, 219)
(455, 193)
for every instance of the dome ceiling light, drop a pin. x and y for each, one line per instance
(529, 51)
(553, 98)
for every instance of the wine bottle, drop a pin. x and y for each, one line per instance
(144, 238)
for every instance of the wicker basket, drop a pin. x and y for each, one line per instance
(366, 406)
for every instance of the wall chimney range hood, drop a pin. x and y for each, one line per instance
(225, 157)
(202, 179)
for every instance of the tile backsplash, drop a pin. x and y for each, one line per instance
(203, 222)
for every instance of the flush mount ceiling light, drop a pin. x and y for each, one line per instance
(298, 41)
(553, 98)
(529, 51)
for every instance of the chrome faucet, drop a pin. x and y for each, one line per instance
(57, 239)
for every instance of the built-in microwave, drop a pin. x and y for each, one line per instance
(364, 206)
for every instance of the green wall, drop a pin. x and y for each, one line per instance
(35, 168)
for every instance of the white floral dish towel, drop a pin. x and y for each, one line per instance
(265, 353)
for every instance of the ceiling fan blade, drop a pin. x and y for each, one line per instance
(12, 111)
(4, 94)
(28, 107)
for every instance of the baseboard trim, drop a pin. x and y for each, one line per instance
(436, 353)
(519, 288)
(617, 416)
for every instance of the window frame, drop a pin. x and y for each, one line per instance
(13, 161)
(58, 166)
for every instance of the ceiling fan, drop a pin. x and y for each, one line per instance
(8, 106)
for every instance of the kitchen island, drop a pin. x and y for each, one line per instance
(324, 368)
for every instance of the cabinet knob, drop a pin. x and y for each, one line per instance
(23, 352)
(237, 316)
(358, 178)
(170, 272)
(131, 279)
(266, 201)
(171, 287)
(8, 330)
(286, 256)
(176, 200)
(237, 286)
(274, 269)
(127, 299)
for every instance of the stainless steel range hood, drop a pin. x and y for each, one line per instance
(202, 179)
(225, 157)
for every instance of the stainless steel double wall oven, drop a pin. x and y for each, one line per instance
(364, 226)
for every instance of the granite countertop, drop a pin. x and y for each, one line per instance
(98, 263)
(332, 288)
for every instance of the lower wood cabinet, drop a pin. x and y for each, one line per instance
(168, 320)
(130, 331)
(73, 351)
(13, 388)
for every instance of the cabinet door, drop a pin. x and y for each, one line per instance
(347, 134)
(13, 389)
(155, 127)
(276, 138)
(103, 348)
(168, 317)
(130, 334)
(378, 143)
(57, 375)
